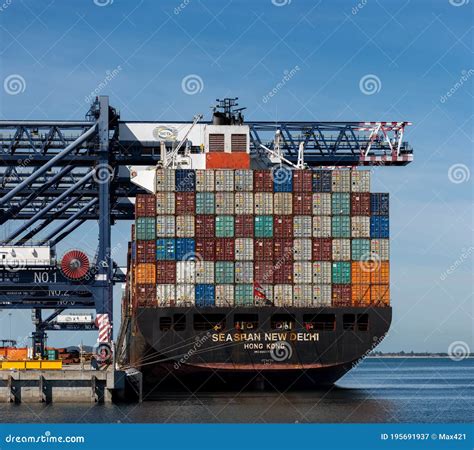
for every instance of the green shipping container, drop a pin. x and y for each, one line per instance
(341, 203)
(52, 355)
(224, 226)
(360, 249)
(243, 295)
(341, 272)
(224, 272)
(145, 229)
(263, 227)
(341, 226)
(205, 203)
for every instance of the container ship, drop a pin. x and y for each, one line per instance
(245, 270)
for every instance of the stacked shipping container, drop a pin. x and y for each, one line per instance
(297, 238)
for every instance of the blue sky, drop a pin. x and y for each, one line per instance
(417, 50)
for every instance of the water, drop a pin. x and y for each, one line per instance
(378, 390)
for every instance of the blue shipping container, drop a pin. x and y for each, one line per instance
(282, 179)
(379, 227)
(322, 181)
(379, 204)
(205, 295)
(166, 249)
(185, 180)
(185, 249)
(134, 251)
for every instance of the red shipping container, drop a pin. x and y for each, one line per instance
(145, 205)
(283, 226)
(282, 272)
(205, 225)
(322, 249)
(145, 294)
(263, 181)
(146, 251)
(283, 249)
(185, 202)
(263, 249)
(263, 272)
(206, 248)
(341, 295)
(302, 203)
(225, 249)
(360, 204)
(243, 225)
(302, 181)
(166, 272)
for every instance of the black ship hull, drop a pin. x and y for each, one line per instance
(238, 348)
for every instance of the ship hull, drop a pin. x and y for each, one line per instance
(283, 348)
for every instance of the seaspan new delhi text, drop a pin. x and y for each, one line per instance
(240, 337)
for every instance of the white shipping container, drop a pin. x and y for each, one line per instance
(244, 180)
(185, 295)
(185, 226)
(165, 180)
(244, 249)
(204, 272)
(341, 249)
(302, 249)
(360, 226)
(302, 226)
(165, 295)
(205, 180)
(268, 290)
(321, 204)
(224, 180)
(244, 272)
(321, 226)
(165, 203)
(263, 203)
(302, 295)
(283, 295)
(341, 181)
(302, 272)
(380, 249)
(244, 203)
(360, 181)
(225, 203)
(165, 226)
(225, 295)
(186, 271)
(282, 203)
(322, 295)
(322, 272)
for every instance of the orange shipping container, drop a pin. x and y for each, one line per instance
(360, 294)
(380, 295)
(381, 273)
(16, 354)
(146, 273)
(361, 271)
(3, 352)
(221, 160)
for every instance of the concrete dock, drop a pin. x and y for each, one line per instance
(71, 384)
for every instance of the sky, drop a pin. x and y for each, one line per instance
(417, 56)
